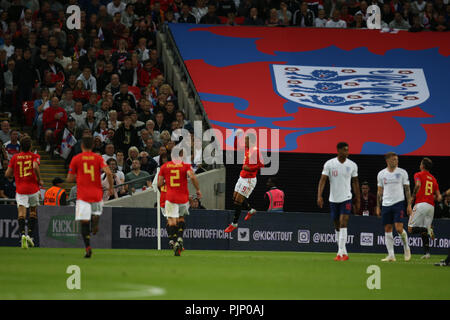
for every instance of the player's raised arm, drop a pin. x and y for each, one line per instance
(194, 180)
(322, 182)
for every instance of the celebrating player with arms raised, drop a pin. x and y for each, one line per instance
(87, 167)
(174, 174)
(24, 166)
(343, 174)
(247, 181)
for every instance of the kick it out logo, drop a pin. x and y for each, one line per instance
(64, 228)
(263, 146)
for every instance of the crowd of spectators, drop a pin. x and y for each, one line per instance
(105, 79)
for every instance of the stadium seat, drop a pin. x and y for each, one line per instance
(136, 91)
(29, 112)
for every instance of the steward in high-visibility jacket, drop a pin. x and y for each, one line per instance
(56, 195)
(274, 197)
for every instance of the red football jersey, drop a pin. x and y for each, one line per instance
(176, 179)
(252, 158)
(428, 187)
(26, 180)
(87, 166)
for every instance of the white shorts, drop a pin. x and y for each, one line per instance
(176, 210)
(163, 211)
(27, 200)
(84, 210)
(245, 186)
(422, 215)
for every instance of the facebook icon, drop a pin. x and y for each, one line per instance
(125, 231)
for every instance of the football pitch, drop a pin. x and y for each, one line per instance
(41, 273)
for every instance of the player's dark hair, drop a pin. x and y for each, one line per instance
(365, 183)
(25, 143)
(390, 155)
(87, 142)
(341, 145)
(427, 163)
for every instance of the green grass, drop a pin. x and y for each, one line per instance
(40, 273)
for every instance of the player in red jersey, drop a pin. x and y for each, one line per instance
(87, 167)
(246, 182)
(426, 191)
(173, 174)
(24, 166)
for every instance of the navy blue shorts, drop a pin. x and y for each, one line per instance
(393, 214)
(340, 208)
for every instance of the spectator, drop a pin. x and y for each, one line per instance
(88, 60)
(194, 203)
(346, 16)
(79, 115)
(80, 93)
(120, 158)
(67, 140)
(162, 152)
(12, 146)
(145, 113)
(170, 112)
(141, 49)
(160, 124)
(103, 113)
(109, 152)
(407, 12)
(64, 61)
(150, 126)
(112, 163)
(303, 17)
(8, 45)
(226, 6)
(443, 208)
(336, 22)
(284, 14)
(211, 17)
(417, 25)
(429, 16)
(25, 76)
(56, 195)
(91, 121)
(126, 111)
(124, 95)
(114, 85)
(253, 18)
(5, 133)
(165, 137)
(137, 173)
(92, 103)
(368, 201)
(54, 120)
(102, 130)
(273, 20)
(67, 101)
(200, 9)
(113, 123)
(399, 22)
(128, 16)
(440, 24)
(183, 123)
(148, 164)
(321, 20)
(359, 22)
(186, 15)
(150, 148)
(418, 6)
(51, 71)
(115, 6)
(89, 81)
(143, 136)
(126, 136)
(7, 188)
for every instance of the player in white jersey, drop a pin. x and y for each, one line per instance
(393, 188)
(343, 174)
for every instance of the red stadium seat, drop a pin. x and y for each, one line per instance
(29, 112)
(136, 91)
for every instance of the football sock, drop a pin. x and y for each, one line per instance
(85, 232)
(31, 225)
(168, 232)
(22, 226)
(173, 232)
(237, 212)
(246, 205)
(425, 241)
(389, 240)
(180, 227)
(404, 237)
(343, 240)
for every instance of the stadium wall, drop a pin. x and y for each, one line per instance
(135, 228)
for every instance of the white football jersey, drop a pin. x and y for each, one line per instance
(340, 175)
(392, 183)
